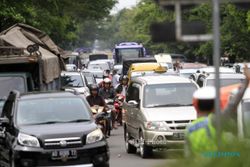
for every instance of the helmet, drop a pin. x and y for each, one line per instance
(93, 87)
(107, 80)
(125, 77)
(203, 99)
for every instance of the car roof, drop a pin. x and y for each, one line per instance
(152, 80)
(144, 66)
(41, 95)
(211, 69)
(228, 76)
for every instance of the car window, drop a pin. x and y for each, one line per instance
(11, 83)
(72, 80)
(133, 93)
(39, 111)
(178, 94)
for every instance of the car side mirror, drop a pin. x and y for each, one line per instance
(133, 103)
(4, 121)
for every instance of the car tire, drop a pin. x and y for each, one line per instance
(145, 151)
(130, 149)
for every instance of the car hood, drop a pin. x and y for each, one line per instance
(170, 113)
(62, 130)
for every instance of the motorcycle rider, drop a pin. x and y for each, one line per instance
(94, 98)
(107, 91)
(122, 88)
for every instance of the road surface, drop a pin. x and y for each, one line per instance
(119, 157)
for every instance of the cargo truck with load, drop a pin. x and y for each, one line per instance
(29, 61)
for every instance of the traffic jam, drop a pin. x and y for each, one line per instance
(120, 107)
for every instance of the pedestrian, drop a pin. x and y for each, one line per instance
(115, 78)
(201, 135)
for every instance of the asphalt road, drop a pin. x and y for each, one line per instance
(119, 157)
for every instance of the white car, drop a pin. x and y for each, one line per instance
(98, 65)
(157, 111)
(71, 67)
(76, 81)
(226, 79)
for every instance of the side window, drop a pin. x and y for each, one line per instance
(129, 93)
(135, 95)
(133, 92)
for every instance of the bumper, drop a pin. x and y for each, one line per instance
(88, 155)
(159, 139)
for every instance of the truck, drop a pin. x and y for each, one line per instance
(29, 61)
(128, 50)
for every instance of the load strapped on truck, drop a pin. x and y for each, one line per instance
(28, 50)
(127, 50)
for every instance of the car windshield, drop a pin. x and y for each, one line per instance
(225, 82)
(11, 83)
(90, 78)
(42, 111)
(246, 118)
(99, 66)
(177, 94)
(72, 80)
(129, 53)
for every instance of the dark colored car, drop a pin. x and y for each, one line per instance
(51, 129)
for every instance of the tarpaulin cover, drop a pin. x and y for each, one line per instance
(21, 35)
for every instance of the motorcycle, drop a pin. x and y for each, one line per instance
(101, 118)
(118, 108)
(109, 110)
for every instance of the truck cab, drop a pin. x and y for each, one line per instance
(128, 50)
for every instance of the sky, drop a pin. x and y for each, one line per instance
(123, 4)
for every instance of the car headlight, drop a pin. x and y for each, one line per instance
(27, 140)
(161, 126)
(94, 136)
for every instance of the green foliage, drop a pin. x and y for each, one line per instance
(60, 19)
(133, 25)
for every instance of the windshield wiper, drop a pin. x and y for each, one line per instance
(48, 122)
(79, 120)
(169, 105)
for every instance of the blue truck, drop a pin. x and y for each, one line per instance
(126, 50)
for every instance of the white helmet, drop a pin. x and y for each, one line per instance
(107, 80)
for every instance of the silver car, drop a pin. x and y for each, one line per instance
(157, 111)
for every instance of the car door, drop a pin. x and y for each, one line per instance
(133, 108)
(136, 112)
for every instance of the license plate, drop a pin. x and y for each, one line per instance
(64, 155)
(179, 136)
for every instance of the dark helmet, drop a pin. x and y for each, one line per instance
(93, 87)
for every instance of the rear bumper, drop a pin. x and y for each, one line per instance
(88, 155)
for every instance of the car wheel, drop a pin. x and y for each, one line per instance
(129, 147)
(145, 151)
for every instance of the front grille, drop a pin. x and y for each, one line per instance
(58, 143)
(179, 125)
